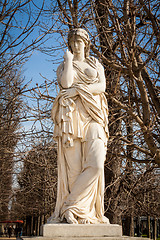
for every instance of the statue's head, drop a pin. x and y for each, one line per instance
(82, 34)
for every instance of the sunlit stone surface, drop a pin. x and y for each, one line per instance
(80, 115)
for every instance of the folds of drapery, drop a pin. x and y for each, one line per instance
(67, 129)
(62, 114)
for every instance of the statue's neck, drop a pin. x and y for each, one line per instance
(79, 57)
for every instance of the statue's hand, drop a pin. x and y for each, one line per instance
(68, 56)
(69, 92)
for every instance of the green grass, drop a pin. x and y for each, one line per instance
(145, 236)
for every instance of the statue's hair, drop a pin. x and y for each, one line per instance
(85, 37)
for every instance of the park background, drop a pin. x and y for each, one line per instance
(125, 37)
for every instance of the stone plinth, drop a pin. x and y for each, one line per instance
(81, 230)
(85, 238)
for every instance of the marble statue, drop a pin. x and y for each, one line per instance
(80, 115)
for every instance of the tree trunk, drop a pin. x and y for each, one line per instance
(112, 166)
(129, 170)
(126, 227)
(32, 225)
(25, 227)
(28, 225)
(155, 229)
(38, 225)
(132, 226)
(139, 234)
(148, 227)
(35, 225)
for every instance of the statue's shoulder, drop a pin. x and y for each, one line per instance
(95, 61)
(92, 59)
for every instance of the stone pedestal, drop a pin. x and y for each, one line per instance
(86, 238)
(82, 232)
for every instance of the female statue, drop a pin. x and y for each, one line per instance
(80, 114)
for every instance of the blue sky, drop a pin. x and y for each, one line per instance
(38, 64)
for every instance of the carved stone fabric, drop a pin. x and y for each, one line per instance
(81, 129)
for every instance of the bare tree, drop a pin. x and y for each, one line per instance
(10, 115)
(125, 37)
(18, 20)
(131, 43)
(35, 198)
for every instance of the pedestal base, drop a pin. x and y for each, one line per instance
(82, 232)
(86, 238)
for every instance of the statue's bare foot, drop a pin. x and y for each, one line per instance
(105, 220)
(83, 221)
(70, 217)
(52, 219)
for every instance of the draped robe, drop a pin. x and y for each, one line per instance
(83, 118)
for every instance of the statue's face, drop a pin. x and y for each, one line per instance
(77, 44)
